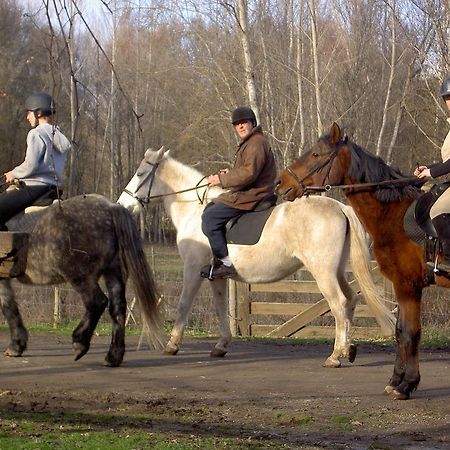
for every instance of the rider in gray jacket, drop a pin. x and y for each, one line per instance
(42, 170)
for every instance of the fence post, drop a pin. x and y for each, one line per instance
(232, 306)
(56, 307)
(243, 309)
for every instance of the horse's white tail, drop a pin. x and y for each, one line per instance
(360, 258)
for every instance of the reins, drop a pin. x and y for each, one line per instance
(151, 175)
(328, 187)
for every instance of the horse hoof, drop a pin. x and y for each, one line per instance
(171, 349)
(79, 349)
(332, 363)
(352, 353)
(12, 353)
(109, 363)
(396, 395)
(217, 353)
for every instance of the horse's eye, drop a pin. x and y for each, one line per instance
(316, 155)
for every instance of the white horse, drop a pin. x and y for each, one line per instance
(316, 232)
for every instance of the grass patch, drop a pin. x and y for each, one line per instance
(28, 431)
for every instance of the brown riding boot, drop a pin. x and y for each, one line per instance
(442, 225)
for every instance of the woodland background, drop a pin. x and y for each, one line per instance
(128, 75)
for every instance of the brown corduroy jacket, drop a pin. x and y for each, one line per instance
(252, 178)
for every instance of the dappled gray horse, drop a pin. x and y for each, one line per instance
(316, 232)
(78, 241)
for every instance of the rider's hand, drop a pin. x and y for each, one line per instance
(10, 178)
(213, 180)
(422, 172)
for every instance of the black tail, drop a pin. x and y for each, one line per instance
(135, 264)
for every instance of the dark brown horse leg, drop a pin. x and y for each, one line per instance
(17, 330)
(117, 311)
(95, 302)
(406, 375)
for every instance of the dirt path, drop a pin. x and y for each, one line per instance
(259, 391)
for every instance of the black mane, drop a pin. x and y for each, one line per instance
(369, 168)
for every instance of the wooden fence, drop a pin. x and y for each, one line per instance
(244, 310)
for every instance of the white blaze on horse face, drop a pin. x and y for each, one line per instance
(126, 198)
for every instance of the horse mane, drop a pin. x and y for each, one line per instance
(369, 168)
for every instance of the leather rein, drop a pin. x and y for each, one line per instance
(150, 178)
(329, 187)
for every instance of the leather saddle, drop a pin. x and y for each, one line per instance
(418, 225)
(246, 229)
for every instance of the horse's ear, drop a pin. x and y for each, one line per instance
(335, 134)
(148, 152)
(160, 153)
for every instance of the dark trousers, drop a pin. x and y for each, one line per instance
(214, 220)
(16, 198)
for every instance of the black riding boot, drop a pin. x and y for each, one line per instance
(442, 225)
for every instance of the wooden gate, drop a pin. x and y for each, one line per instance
(244, 310)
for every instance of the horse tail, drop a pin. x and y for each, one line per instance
(134, 264)
(360, 262)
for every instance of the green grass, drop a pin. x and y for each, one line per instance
(32, 431)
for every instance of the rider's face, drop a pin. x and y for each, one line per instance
(32, 118)
(243, 128)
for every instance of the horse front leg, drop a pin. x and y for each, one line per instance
(191, 285)
(117, 311)
(406, 375)
(95, 302)
(18, 332)
(219, 288)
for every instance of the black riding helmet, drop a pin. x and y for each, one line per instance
(40, 103)
(243, 113)
(445, 87)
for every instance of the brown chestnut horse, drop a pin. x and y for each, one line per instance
(381, 208)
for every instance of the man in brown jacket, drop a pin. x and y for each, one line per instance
(250, 181)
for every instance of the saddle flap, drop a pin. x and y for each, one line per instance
(247, 228)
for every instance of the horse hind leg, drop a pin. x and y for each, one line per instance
(117, 310)
(95, 302)
(18, 332)
(221, 303)
(351, 349)
(338, 302)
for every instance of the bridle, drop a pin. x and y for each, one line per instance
(316, 168)
(327, 187)
(150, 178)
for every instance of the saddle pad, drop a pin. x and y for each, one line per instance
(412, 229)
(248, 227)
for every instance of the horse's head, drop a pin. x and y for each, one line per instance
(137, 191)
(319, 166)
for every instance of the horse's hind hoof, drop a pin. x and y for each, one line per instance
(217, 353)
(79, 349)
(13, 353)
(396, 395)
(332, 363)
(352, 351)
(171, 349)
